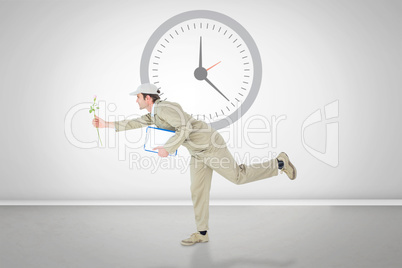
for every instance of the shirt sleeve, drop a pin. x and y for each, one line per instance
(175, 116)
(139, 122)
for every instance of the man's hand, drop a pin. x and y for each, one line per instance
(99, 122)
(161, 151)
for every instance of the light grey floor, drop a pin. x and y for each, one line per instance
(242, 236)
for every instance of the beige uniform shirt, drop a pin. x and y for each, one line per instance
(193, 134)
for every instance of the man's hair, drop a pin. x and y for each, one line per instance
(154, 97)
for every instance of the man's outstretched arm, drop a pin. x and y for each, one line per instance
(100, 123)
(140, 122)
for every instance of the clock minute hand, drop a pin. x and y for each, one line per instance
(200, 65)
(201, 73)
(209, 82)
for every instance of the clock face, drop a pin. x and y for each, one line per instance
(205, 64)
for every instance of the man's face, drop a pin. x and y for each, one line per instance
(141, 102)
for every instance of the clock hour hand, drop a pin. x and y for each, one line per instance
(212, 85)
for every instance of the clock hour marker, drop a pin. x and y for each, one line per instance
(242, 51)
(155, 76)
(182, 29)
(161, 94)
(156, 82)
(227, 108)
(222, 112)
(225, 32)
(234, 40)
(230, 36)
(233, 104)
(163, 45)
(159, 51)
(176, 32)
(157, 57)
(155, 63)
(216, 114)
(166, 40)
(207, 25)
(240, 94)
(154, 69)
(171, 36)
(236, 99)
(244, 57)
(210, 116)
(200, 25)
(238, 46)
(194, 25)
(246, 76)
(245, 82)
(213, 28)
(188, 27)
(247, 69)
(246, 63)
(244, 88)
(219, 29)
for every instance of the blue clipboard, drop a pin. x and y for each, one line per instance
(157, 137)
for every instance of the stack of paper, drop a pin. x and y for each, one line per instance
(157, 137)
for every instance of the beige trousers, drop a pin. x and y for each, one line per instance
(202, 165)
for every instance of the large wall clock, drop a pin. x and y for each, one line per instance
(205, 61)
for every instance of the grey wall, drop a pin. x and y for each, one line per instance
(55, 55)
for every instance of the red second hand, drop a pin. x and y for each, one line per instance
(213, 65)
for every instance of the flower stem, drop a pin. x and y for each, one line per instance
(97, 129)
(99, 136)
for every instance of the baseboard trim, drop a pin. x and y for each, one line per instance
(248, 202)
